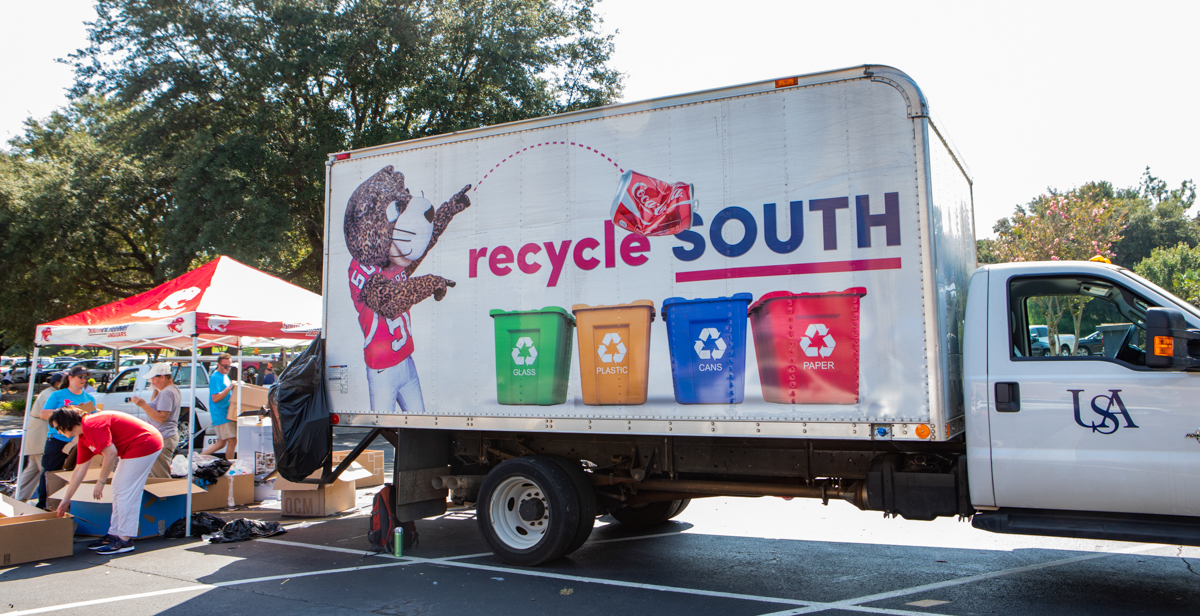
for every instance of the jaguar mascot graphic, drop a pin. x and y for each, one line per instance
(388, 232)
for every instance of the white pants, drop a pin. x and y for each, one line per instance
(396, 385)
(128, 482)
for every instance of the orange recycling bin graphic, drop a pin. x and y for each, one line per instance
(614, 351)
(807, 346)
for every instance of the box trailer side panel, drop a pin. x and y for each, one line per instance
(812, 212)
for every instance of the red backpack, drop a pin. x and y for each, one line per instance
(383, 524)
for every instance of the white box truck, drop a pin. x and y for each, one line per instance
(820, 329)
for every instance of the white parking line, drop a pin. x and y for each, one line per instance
(855, 604)
(67, 606)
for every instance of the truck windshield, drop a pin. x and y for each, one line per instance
(1179, 303)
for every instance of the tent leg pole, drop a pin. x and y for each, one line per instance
(25, 418)
(187, 514)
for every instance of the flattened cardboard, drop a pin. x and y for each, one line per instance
(163, 502)
(28, 534)
(370, 459)
(310, 500)
(216, 496)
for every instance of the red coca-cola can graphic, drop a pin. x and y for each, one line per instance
(652, 207)
(807, 346)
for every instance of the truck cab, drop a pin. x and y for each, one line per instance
(1103, 433)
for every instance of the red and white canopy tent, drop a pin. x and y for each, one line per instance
(222, 303)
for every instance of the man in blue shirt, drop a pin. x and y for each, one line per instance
(53, 456)
(219, 388)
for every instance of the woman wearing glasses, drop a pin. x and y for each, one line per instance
(128, 444)
(55, 455)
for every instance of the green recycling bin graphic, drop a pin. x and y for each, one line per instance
(533, 355)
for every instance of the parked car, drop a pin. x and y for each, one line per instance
(20, 371)
(57, 366)
(100, 369)
(1066, 342)
(1092, 344)
(134, 361)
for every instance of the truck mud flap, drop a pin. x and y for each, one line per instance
(421, 455)
(1141, 528)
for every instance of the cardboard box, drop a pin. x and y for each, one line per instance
(370, 459)
(254, 397)
(28, 534)
(216, 496)
(163, 502)
(58, 480)
(310, 500)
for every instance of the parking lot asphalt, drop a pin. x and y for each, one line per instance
(728, 556)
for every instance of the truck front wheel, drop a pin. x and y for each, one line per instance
(528, 511)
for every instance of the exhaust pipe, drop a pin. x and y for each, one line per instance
(457, 482)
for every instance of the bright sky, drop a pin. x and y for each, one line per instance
(1033, 94)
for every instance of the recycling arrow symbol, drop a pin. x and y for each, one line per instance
(524, 342)
(710, 333)
(605, 356)
(827, 343)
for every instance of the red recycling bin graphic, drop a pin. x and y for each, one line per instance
(807, 346)
(652, 207)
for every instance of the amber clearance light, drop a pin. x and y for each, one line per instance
(787, 83)
(1164, 346)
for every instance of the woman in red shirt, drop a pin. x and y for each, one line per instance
(129, 444)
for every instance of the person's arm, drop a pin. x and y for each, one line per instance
(217, 397)
(76, 478)
(155, 414)
(110, 462)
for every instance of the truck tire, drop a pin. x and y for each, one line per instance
(1065, 351)
(528, 511)
(587, 500)
(650, 514)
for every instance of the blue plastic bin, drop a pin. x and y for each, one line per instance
(708, 348)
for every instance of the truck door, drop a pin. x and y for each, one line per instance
(116, 396)
(1089, 433)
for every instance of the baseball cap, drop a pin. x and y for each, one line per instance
(162, 368)
(56, 377)
(76, 370)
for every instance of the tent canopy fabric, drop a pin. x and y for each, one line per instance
(218, 303)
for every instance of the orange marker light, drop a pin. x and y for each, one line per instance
(922, 431)
(787, 83)
(1164, 346)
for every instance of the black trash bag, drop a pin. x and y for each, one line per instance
(203, 523)
(244, 529)
(301, 428)
(209, 472)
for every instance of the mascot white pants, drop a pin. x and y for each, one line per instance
(396, 385)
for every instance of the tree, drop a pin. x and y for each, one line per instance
(1176, 269)
(1156, 216)
(242, 100)
(1076, 225)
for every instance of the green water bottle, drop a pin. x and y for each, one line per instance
(398, 542)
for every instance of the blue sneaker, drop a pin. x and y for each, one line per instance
(116, 547)
(101, 542)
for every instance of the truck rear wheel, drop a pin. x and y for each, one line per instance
(648, 515)
(587, 500)
(528, 511)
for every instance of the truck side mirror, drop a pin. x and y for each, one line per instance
(1172, 346)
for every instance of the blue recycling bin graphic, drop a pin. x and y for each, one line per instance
(708, 348)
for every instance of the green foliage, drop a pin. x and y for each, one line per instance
(202, 128)
(1156, 217)
(985, 252)
(1176, 269)
(13, 407)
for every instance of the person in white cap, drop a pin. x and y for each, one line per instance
(162, 412)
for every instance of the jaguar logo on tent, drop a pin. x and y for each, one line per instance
(817, 341)
(217, 324)
(171, 305)
(46, 334)
(176, 325)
